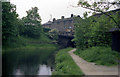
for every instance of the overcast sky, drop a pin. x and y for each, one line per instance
(56, 8)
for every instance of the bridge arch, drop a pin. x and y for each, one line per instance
(70, 43)
(65, 41)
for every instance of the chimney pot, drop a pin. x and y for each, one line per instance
(54, 19)
(71, 15)
(62, 17)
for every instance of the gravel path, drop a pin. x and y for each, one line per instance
(92, 69)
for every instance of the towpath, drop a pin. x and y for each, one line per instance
(92, 69)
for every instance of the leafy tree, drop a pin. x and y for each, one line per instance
(21, 27)
(0, 13)
(32, 23)
(93, 31)
(100, 6)
(9, 23)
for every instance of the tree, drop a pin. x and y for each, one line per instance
(21, 27)
(32, 23)
(93, 31)
(100, 6)
(9, 23)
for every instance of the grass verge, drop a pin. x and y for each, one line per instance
(22, 41)
(99, 55)
(65, 64)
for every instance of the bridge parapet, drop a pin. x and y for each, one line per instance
(67, 34)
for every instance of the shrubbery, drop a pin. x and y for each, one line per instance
(94, 31)
(93, 39)
(9, 23)
(15, 31)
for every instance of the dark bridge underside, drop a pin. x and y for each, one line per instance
(65, 41)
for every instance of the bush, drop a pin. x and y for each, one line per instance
(93, 31)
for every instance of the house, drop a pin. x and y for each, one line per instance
(62, 25)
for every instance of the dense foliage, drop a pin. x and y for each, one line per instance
(9, 23)
(100, 6)
(32, 23)
(94, 39)
(14, 29)
(94, 31)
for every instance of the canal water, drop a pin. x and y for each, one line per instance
(30, 63)
(33, 70)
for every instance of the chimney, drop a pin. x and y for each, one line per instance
(54, 19)
(71, 15)
(78, 15)
(62, 17)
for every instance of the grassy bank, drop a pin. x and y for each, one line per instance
(28, 51)
(22, 41)
(99, 55)
(65, 64)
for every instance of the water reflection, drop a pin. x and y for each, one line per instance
(32, 70)
(36, 64)
(44, 70)
(18, 72)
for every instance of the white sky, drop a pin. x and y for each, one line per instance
(56, 8)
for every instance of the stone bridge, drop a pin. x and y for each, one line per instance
(66, 34)
(65, 39)
(65, 28)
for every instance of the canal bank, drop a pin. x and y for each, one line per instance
(90, 68)
(64, 64)
(37, 57)
(29, 60)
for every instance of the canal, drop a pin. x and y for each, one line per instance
(35, 61)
